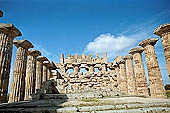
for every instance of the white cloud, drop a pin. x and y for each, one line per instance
(110, 44)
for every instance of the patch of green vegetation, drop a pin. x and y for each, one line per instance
(168, 93)
(90, 100)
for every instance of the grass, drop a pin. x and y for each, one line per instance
(168, 93)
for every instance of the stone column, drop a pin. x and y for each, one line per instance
(104, 67)
(157, 89)
(61, 58)
(164, 32)
(7, 34)
(76, 68)
(18, 83)
(91, 67)
(1, 13)
(131, 82)
(45, 70)
(118, 75)
(39, 71)
(141, 84)
(123, 77)
(31, 73)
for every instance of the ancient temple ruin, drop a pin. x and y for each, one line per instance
(34, 75)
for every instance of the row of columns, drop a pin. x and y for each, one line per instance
(138, 86)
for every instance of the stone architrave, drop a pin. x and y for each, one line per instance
(39, 71)
(122, 71)
(31, 73)
(131, 82)
(157, 89)
(18, 83)
(7, 34)
(46, 65)
(141, 84)
(164, 32)
(1, 13)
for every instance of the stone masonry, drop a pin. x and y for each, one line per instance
(141, 84)
(164, 32)
(131, 81)
(95, 76)
(7, 34)
(157, 89)
(46, 70)
(31, 73)
(18, 83)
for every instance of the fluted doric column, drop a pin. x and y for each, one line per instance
(1, 13)
(123, 77)
(18, 83)
(39, 71)
(157, 89)
(7, 34)
(31, 73)
(131, 81)
(164, 32)
(141, 84)
(45, 70)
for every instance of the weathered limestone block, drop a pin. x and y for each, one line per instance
(39, 71)
(122, 70)
(131, 81)
(31, 73)
(164, 32)
(18, 83)
(1, 13)
(141, 84)
(7, 34)
(157, 89)
(46, 65)
(51, 67)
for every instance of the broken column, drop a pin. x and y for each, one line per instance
(45, 70)
(39, 71)
(1, 13)
(141, 84)
(31, 73)
(131, 82)
(157, 89)
(123, 77)
(164, 32)
(18, 83)
(7, 34)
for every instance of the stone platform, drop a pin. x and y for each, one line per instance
(91, 105)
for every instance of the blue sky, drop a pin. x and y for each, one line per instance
(87, 26)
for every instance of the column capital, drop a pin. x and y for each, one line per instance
(149, 41)
(121, 61)
(1, 13)
(34, 53)
(128, 57)
(23, 43)
(46, 63)
(10, 29)
(42, 58)
(162, 29)
(136, 50)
